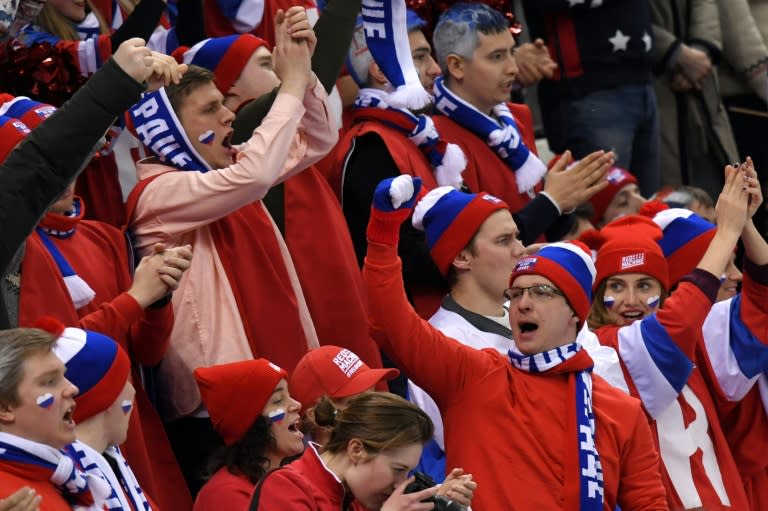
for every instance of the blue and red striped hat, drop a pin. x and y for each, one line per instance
(686, 238)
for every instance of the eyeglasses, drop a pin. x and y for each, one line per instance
(538, 292)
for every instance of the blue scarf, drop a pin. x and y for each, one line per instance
(447, 160)
(125, 492)
(573, 360)
(500, 133)
(160, 130)
(81, 293)
(83, 491)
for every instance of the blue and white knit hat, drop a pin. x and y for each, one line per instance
(569, 266)
(97, 365)
(157, 126)
(686, 238)
(450, 219)
(385, 27)
(12, 132)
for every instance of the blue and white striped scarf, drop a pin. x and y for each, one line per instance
(81, 293)
(386, 34)
(158, 128)
(123, 486)
(573, 359)
(447, 160)
(85, 491)
(500, 133)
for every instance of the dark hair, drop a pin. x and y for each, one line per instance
(193, 79)
(380, 420)
(247, 456)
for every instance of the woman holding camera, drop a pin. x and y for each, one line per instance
(375, 442)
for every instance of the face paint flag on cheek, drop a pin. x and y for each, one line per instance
(608, 301)
(277, 415)
(45, 401)
(126, 405)
(653, 301)
(207, 137)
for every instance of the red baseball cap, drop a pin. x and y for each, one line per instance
(335, 372)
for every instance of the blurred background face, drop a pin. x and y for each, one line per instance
(120, 413)
(425, 65)
(257, 78)
(73, 10)
(729, 281)
(626, 202)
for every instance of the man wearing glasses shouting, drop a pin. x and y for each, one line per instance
(543, 431)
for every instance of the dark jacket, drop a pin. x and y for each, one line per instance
(49, 159)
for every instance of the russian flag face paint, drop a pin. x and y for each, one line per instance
(277, 415)
(126, 405)
(653, 301)
(207, 137)
(45, 401)
(608, 301)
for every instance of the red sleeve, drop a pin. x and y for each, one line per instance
(114, 318)
(149, 337)
(220, 494)
(640, 487)
(417, 347)
(683, 316)
(283, 491)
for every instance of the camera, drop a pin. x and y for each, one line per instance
(422, 482)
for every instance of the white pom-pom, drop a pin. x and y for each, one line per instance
(426, 203)
(411, 96)
(530, 173)
(454, 163)
(401, 190)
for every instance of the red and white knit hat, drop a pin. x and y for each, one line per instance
(450, 219)
(235, 394)
(224, 56)
(95, 363)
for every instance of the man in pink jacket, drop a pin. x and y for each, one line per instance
(241, 298)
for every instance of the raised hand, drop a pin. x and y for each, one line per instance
(393, 201)
(165, 70)
(732, 204)
(458, 487)
(534, 63)
(300, 28)
(135, 59)
(159, 273)
(293, 63)
(570, 186)
(752, 184)
(399, 501)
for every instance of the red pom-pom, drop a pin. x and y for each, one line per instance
(651, 207)
(50, 325)
(43, 72)
(592, 238)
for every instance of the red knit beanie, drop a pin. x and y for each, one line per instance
(235, 394)
(631, 246)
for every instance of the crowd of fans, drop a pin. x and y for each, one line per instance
(278, 255)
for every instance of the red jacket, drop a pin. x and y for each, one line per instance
(506, 426)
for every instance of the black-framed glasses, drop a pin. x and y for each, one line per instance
(540, 292)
